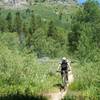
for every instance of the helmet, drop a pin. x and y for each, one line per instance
(64, 58)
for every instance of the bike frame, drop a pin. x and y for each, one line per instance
(64, 78)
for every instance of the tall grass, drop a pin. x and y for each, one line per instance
(86, 85)
(21, 72)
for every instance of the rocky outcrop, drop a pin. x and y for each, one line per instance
(30, 2)
(14, 2)
(19, 1)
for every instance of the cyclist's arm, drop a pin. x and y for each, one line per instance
(59, 67)
(69, 65)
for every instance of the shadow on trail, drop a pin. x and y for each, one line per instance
(60, 86)
(22, 97)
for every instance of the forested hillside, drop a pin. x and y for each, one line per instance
(33, 40)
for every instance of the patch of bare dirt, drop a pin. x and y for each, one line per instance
(61, 93)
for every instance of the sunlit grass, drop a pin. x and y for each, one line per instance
(86, 83)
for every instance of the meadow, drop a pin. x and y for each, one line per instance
(24, 73)
(86, 84)
(33, 41)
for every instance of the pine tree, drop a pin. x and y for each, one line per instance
(9, 21)
(74, 36)
(3, 27)
(28, 38)
(32, 23)
(17, 23)
(38, 22)
(23, 34)
(31, 30)
(60, 16)
(85, 44)
(18, 26)
(24, 29)
(88, 14)
(51, 29)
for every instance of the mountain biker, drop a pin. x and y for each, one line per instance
(64, 66)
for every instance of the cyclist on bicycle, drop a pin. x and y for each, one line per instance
(64, 66)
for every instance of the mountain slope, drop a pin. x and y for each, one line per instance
(13, 2)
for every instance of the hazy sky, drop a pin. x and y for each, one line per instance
(81, 1)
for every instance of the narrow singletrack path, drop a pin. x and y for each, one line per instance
(60, 94)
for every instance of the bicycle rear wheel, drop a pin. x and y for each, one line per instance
(64, 79)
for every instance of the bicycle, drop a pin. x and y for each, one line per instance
(64, 79)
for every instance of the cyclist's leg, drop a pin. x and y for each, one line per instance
(62, 75)
(66, 75)
(65, 80)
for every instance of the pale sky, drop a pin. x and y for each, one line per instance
(81, 1)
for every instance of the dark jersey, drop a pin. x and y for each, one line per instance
(64, 65)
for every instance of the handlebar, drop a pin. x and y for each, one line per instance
(60, 71)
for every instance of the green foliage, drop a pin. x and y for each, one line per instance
(38, 22)
(84, 36)
(17, 22)
(44, 33)
(86, 84)
(91, 8)
(51, 29)
(83, 43)
(21, 71)
(3, 26)
(9, 22)
(73, 37)
(31, 25)
(86, 44)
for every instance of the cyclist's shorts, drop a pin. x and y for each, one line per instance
(65, 72)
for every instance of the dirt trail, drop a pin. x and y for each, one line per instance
(60, 94)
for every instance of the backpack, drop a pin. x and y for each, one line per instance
(64, 65)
